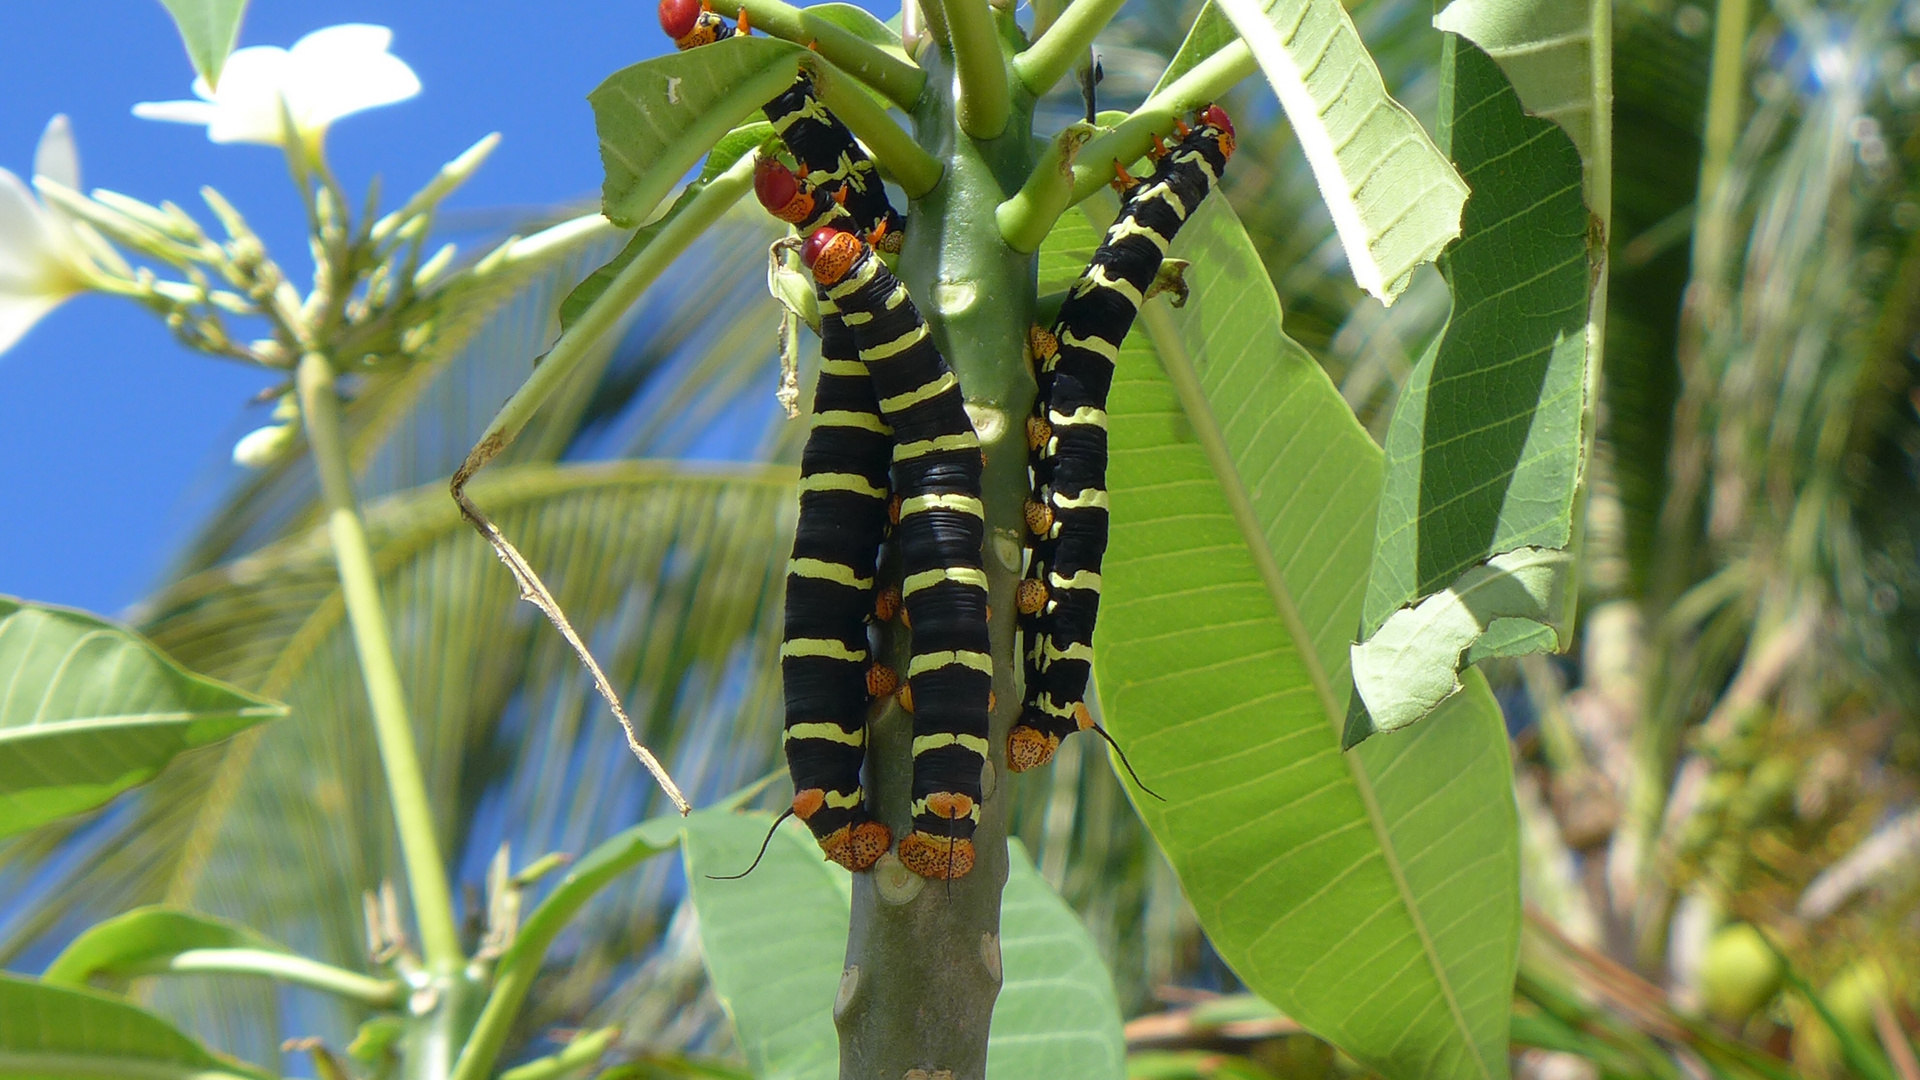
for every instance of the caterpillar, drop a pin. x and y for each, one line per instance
(1059, 599)
(939, 534)
(831, 162)
(824, 663)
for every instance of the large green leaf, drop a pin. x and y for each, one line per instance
(1486, 446)
(656, 118)
(209, 29)
(59, 1033)
(774, 943)
(1374, 896)
(121, 946)
(88, 709)
(1394, 199)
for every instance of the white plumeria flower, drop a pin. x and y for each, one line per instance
(330, 73)
(41, 261)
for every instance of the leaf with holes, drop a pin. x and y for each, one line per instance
(1373, 896)
(89, 709)
(1487, 444)
(656, 118)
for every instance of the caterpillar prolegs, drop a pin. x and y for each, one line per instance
(939, 535)
(832, 165)
(1059, 599)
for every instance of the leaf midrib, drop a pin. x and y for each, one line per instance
(1178, 366)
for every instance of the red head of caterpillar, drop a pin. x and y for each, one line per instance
(830, 253)
(1215, 116)
(779, 190)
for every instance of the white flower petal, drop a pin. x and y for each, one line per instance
(247, 102)
(19, 313)
(344, 41)
(28, 264)
(56, 158)
(178, 112)
(342, 70)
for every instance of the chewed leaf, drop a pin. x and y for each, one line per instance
(1394, 198)
(1546, 49)
(656, 118)
(1485, 449)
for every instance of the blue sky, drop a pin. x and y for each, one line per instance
(113, 439)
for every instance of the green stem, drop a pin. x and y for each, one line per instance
(1045, 14)
(1726, 93)
(520, 964)
(896, 152)
(984, 103)
(1027, 217)
(1064, 44)
(360, 588)
(900, 80)
(584, 1050)
(605, 312)
(369, 991)
(1130, 138)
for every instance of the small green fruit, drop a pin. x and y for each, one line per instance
(1739, 973)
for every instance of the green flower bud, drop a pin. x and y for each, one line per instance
(261, 447)
(1739, 973)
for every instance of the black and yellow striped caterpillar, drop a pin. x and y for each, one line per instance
(939, 534)
(1059, 598)
(832, 165)
(824, 661)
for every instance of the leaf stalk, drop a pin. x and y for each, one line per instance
(900, 80)
(1130, 138)
(985, 102)
(893, 149)
(1027, 216)
(1063, 44)
(286, 967)
(360, 589)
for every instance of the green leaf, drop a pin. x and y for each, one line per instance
(775, 942)
(1374, 896)
(1057, 1015)
(1546, 49)
(1485, 449)
(1209, 33)
(1394, 199)
(88, 709)
(856, 20)
(657, 117)
(121, 946)
(209, 29)
(59, 1033)
(735, 145)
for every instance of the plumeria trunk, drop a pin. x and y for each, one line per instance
(923, 957)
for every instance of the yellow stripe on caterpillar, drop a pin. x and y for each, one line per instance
(824, 730)
(1096, 277)
(1128, 226)
(958, 575)
(1088, 497)
(923, 743)
(932, 388)
(1046, 704)
(1164, 192)
(851, 284)
(850, 418)
(839, 573)
(810, 108)
(965, 440)
(1085, 415)
(1094, 344)
(846, 368)
(1081, 579)
(960, 504)
(851, 482)
(846, 801)
(934, 661)
(823, 647)
(1077, 650)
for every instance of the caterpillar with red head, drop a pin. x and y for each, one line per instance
(832, 165)
(1059, 599)
(940, 533)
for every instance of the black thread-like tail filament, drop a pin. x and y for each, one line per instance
(784, 815)
(1128, 765)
